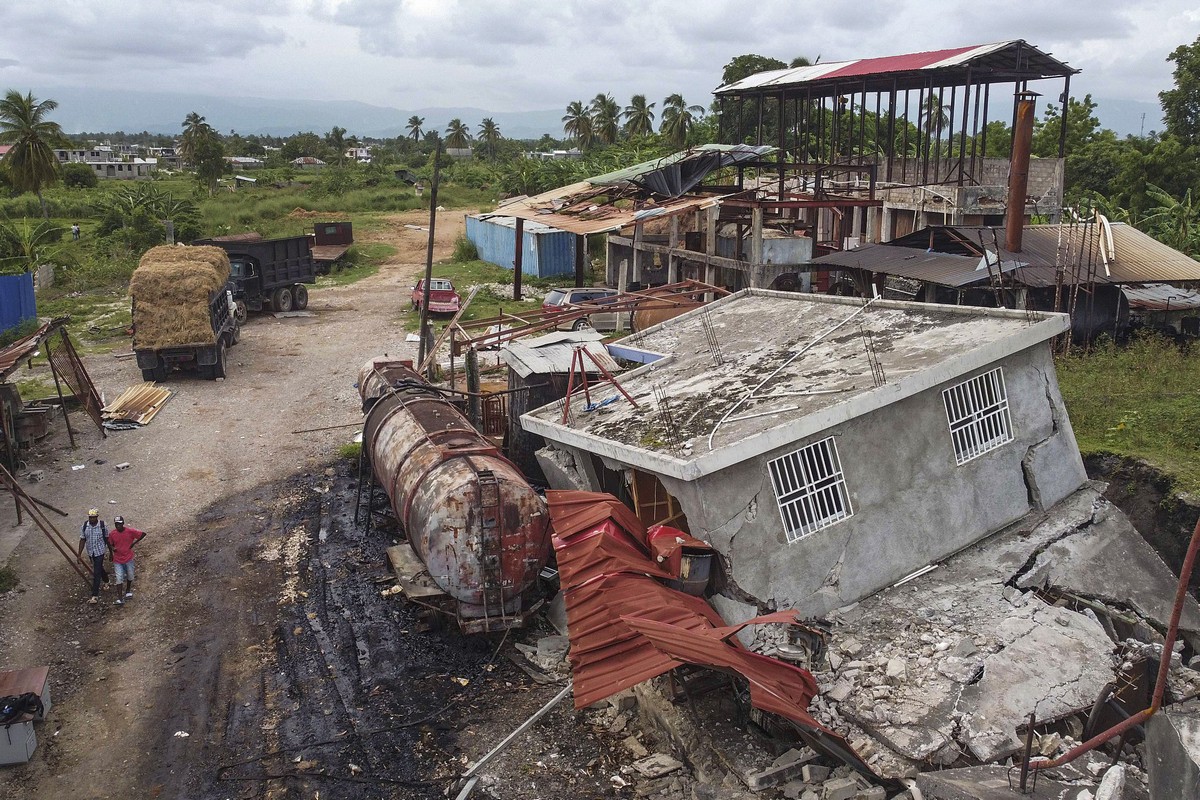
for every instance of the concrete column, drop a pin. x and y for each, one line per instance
(622, 274)
(710, 247)
(672, 259)
(637, 252)
(885, 225)
(858, 224)
(756, 235)
(873, 225)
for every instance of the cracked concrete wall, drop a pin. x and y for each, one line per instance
(912, 503)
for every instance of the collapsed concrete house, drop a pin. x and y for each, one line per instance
(826, 448)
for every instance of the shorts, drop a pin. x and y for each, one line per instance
(123, 572)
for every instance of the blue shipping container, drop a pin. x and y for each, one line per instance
(17, 303)
(545, 251)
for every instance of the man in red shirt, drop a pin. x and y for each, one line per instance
(122, 539)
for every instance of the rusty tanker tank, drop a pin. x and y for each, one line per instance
(472, 519)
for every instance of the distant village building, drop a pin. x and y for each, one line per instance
(360, 155)
(458, 152)
(824, 447)
(244, 162)
(308, 162)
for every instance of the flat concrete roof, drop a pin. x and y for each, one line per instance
(785, 366)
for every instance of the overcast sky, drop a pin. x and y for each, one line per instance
(501, 55)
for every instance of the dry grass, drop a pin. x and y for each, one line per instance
(171, 290)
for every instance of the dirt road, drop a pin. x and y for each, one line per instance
(204, 485)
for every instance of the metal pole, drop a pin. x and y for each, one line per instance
(58, 388)
(433, 191)
(1018, 182)
(518, 252)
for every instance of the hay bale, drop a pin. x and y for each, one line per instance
(171, 289)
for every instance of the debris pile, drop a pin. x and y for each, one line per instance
(944, 670)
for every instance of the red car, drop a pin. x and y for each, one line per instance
(442, 297)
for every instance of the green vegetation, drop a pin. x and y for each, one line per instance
(350, 451)
(1139, 400)
(8, 579)
(361, 261)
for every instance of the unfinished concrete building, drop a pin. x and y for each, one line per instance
(825, 447)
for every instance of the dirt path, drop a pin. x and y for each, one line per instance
(223, 445)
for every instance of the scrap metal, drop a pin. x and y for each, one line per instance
(138, 404)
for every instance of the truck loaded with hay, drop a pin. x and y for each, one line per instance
(268, 273)
(183, 311)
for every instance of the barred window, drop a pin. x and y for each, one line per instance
(810, 488)
(977, 411)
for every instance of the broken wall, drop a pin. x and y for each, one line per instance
(912, 503)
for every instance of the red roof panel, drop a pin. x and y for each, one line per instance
(901, 63)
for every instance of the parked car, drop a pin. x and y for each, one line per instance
(442, 297)
(570, 300)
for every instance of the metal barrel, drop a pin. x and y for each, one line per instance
(471, 517)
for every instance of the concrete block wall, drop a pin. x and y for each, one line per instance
(912, 503)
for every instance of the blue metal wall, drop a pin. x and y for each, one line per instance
(17, 302)
(544, 252)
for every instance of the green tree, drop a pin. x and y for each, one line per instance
(303, 144)
(639, 117)
(414, 127)
(201, 147)
(194, 129)
(935, 116)
(489, 136)
(1181, 105)
(678, 119)
(24, 246)
(751, 64)
(606, 118)
(1083, 128)
(336, 139)
(79, 176)
(458, 135)
(30, 164)
(577, 124)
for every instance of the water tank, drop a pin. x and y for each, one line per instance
(471, 517)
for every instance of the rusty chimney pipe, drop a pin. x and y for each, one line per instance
(1018, 171)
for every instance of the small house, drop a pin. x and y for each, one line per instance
(826, 447)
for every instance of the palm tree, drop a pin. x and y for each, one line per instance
(336, 139)
(606, 118)
(489, 134)
(934, 115)
(414, 127)
(678, 119)
(577, 124)
(195, 129)
(458, 135)
(31, 245)
(639, 116)
(30, 163)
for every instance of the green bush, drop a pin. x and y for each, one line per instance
(79, 176)
(464, 250)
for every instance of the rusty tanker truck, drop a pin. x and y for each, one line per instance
(478, 527)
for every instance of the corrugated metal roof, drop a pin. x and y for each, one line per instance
(1161, 297)
(530, 226)
(1005, 61)
(600, 217)
(553, 354)
(626, 626)
(12, 356)
(922, 265)
(1134, 257)
(138, 404)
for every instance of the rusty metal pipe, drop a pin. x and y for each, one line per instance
(1164, 665)
(1018, 173)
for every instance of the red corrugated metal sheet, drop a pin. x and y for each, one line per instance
(626, 626)
(900, 63)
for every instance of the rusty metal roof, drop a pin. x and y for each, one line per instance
(585, 208)
(1085, 251)
(1161, 297)
(941, 268)
(999, 62)
(12, 356)
(626, 626)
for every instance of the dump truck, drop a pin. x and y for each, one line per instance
(183, 311)
(268, 273)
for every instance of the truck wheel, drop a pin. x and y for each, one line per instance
(235, 335)
(156, 374)
(217, 370)
(240, 313)
(282, 299)
(299, 297)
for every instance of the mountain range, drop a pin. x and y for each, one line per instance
(103, 110)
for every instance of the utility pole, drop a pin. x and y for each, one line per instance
(433, 190)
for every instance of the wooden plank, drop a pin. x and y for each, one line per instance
(411, 574)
